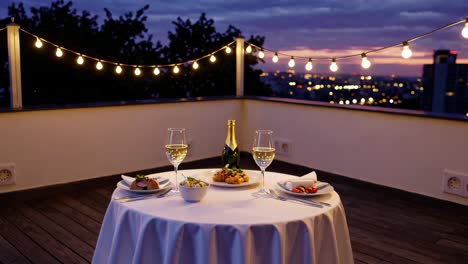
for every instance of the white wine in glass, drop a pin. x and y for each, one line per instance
(263, 153)
(176, 150)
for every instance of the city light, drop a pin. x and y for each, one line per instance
(59, 52)
(465, 29)
(291, 62)
(390, 101)
(354, 101)
(176, 69)
(365, 62)
(137, 71)
(80, 60)
(333, 65)
(363, 100)
(118, 69)
(228, 50)
(341, 101)
(212, 58)
(195, 65)
(347, 102)
(275, 58)
(309, 65)
(248, 49)
(99, 66)
(156, 71)
(261, 54)
(38, 43)
(406, 52)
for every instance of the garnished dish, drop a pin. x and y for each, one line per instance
(191, 182)
(305, 187)
(231, 176)
(142, 182)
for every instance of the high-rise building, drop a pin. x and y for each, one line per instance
(445, 84)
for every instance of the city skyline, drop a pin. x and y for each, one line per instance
(314, 28)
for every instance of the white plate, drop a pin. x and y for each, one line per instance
(164, 186)
(208, 177)
(323, 191)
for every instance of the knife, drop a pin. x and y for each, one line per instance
(156, 195)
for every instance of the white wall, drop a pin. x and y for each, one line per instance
(58, 146)
(404, 152)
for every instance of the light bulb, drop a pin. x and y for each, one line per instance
(465, 30)
(137, 71)
(59, 52)
(228, 49)
(365, 62)
(195, 65)
(275, 58)
(248, 49)
(80, 60)
(309, 65)
(213, 58)
(99, 66)
(38, 43)
(406, 52)
(176, 69)
(261, 54)
(156, 71)
(118, 69)
(333, 66)
(291, 62)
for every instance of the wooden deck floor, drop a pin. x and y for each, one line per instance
(386, 226)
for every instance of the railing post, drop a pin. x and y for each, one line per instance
(240, 67)
(14, 63)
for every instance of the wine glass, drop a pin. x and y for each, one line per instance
(263, 153)
(176, 150)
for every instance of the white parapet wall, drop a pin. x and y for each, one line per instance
(59, 146)
(401, 151)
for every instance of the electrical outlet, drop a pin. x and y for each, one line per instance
(455, 183)
(7, 174)
(283, 146)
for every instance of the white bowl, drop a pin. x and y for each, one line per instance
(193, 194)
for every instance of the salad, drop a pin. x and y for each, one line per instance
(191, 182)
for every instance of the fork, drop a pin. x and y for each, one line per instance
(282, 198)
(156, 195)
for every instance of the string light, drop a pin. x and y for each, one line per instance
(275, 58)
(176, 69)
(261, 54)
(99, 66)
(156, 71)
(406, 52)
(309, 65)
(465, 29)
(248, 49)
(80, 60)
(365, 62)
(333, 65)
(59, 52)
(195, 65)
(212, 58)
(38, 43)
(137, 71)
(228, 50)
(118, 69)
(291, 62)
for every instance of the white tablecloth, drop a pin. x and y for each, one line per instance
(229, 225)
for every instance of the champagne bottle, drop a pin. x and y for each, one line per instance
(230, 156)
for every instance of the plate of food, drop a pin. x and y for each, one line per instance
(144, 184)
(231, 178)
(305, 187)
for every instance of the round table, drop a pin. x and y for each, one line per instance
(230, 225)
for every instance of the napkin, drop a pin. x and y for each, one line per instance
(292, 182)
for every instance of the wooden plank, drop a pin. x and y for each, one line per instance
(79, 206)
(385, 255)
(71, 226)
(43, 238)
(459, 247)
(17, 237)
(9, 254)
(82, 219)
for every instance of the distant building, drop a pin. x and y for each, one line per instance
(445, 84)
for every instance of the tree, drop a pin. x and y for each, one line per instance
(125, 39)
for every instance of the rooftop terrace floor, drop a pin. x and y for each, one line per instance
(61, 224)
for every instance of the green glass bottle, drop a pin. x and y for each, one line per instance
(230, 157)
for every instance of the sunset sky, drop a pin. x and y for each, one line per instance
(314, 28)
